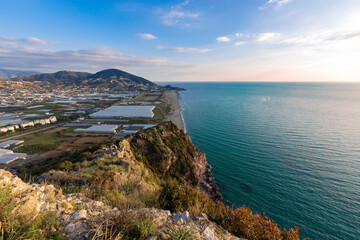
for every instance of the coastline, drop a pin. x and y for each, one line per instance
(207, 183)
(175, 113)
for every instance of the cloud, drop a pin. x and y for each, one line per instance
(266, 37)
(348, 36)
(175, 17)
(178, 15)
(239, 35)
(184, 49)
(147, 36)
(223, 39)
(16, 55)
(8, 38)
(320, 38)
(189, 50)
(278, 3)
(27, 40)
(239, 44)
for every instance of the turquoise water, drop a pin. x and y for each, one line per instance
(289, 150)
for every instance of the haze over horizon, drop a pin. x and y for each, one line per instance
(191, 40)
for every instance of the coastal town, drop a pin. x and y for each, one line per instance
(35, 126)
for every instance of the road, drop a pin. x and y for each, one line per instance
(27, 133)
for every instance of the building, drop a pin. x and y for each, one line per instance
(52, 119)
(10, 144)
(125, 111)
(8, 156)
(27, 124)
(99, 128)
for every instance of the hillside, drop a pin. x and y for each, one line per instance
(107, 79)
(146, 185)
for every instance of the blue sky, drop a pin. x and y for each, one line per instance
(188, 40)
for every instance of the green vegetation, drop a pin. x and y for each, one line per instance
(125, 226)
(183, 233)
(36, 148)
(129, 187)
(14, 226)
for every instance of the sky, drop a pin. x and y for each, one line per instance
(186, 40)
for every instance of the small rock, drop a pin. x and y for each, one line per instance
(151, 238)
(208, 233)
(82, 214)
(185, 216)
(168, 213)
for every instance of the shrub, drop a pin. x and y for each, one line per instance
(125, 226)
(67, 166)
(182, 233)
(129, 187)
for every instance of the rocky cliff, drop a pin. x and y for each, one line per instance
(169, 151)
(151, 185)
(80, 217)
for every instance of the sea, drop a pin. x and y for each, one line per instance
(289, 150)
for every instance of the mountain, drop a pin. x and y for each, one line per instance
(59, 78)
(6, 73)
(119, 80)
(107, 79)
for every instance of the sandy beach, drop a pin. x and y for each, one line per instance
(175, 113)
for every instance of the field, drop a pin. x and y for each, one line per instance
(54, 142)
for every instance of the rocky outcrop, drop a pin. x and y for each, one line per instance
(81, 216)
(169, 150)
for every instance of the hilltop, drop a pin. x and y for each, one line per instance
(113, 79)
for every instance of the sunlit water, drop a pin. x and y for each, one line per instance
(289, 150)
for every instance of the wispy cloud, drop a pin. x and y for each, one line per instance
(175, 17)
(16, 55)
(185, 49)
(178, 15)
(267, 37)
(236, 44)
(27, 40)
(147, 36)
(223, 39)
(320, 38)
(278, 3)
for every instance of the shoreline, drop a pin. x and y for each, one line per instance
(207, 184)
(175, 114)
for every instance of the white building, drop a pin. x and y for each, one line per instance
(99, 128)
(27, 124)
(10, 144)
(7, 156)
(125, 111)
(52, 119)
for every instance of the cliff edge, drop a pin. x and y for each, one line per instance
(151, 185)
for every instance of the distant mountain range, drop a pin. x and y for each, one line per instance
(6, 73)
(113, 79)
